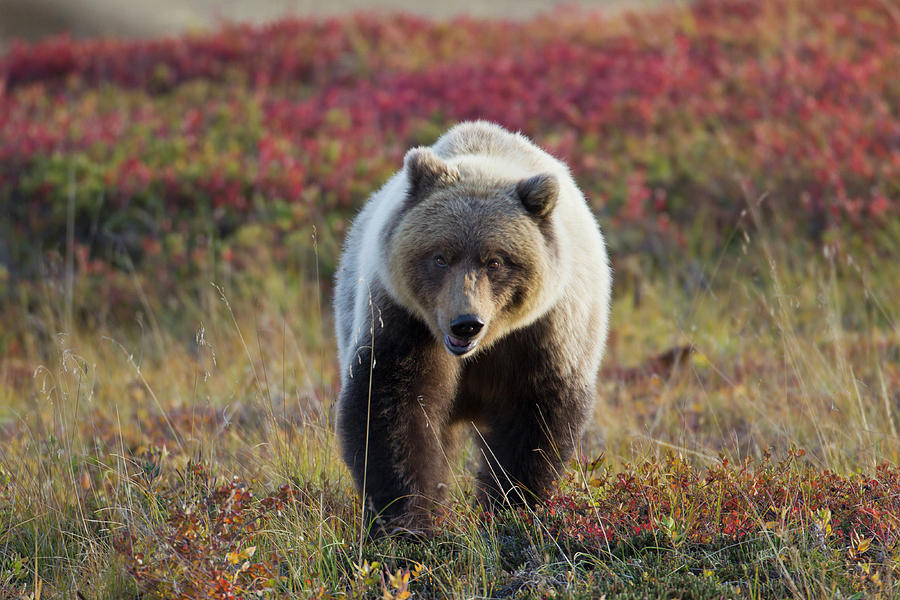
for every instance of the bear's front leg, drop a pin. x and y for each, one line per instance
(528, 441)
(391, 419)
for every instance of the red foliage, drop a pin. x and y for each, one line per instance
(678, 502)
(664, 117)
(206, 548)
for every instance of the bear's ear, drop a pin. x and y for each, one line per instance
(538, 194)
(425, 170)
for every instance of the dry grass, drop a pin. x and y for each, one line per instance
(106, 434)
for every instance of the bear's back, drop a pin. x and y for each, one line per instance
(481, 138)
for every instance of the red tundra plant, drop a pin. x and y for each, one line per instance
(207, 546)
(599, 507)
(665, 116)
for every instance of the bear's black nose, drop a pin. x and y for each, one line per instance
(466, 326)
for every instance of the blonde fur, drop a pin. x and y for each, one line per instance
(484, 151)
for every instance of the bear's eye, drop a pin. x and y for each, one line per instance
(440, 261)
(493, 264)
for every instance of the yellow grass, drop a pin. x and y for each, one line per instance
(793, 347)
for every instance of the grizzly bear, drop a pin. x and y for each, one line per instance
(473, 291)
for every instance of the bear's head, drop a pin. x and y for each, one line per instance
(472, 254)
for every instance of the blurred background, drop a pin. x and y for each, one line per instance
(34, 19)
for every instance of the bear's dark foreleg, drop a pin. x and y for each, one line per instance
(526, 446)
(391, 423)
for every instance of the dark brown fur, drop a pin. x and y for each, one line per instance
(406, 409)
(527, 420)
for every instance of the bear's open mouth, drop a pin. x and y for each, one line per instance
(458, 346)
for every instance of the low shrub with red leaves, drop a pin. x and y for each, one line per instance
(207, 547)
(599, 508)
(169, 148)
